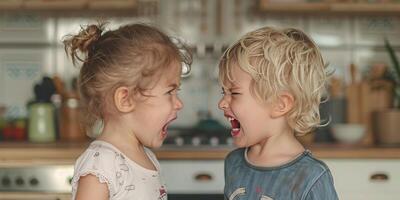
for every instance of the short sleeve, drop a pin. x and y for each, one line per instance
(323, 188)
(99, 162)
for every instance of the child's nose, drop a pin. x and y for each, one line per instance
(223, 104)
(178, 103)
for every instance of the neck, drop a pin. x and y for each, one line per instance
(124, 139)
(277, 149)
(116, 133)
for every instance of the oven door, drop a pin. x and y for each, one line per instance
(33, 196)
(38, 182)
(194, 179)
(185, 179)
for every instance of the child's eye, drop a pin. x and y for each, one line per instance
(223, 92)
(173, 91)
(170, 91)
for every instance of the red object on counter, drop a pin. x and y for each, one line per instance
(7, 132)
(19, 134)
(14, 131)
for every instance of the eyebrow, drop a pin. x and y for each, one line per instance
(232, 88)
(174, 85)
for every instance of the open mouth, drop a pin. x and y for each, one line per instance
(165, 127)
(235, 126)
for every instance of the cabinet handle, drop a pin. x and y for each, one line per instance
(379, 177)
(203, 177)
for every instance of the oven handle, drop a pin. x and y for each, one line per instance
(203, 177)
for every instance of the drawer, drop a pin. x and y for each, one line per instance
(196, 177)
(34, 196)
(366, 178)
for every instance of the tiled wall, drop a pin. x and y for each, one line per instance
(30, 45)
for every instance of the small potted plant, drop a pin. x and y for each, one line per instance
(386, 123)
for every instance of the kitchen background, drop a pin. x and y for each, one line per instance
(349, 33)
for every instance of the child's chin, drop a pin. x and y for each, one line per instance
(239, 143)
(240, 146)
(157, 144)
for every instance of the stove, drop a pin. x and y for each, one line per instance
(194, 138)
(185, 179)
(49, 178)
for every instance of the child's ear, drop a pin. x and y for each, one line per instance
(283, 105)
(123, 100)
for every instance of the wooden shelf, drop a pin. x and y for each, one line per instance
(10, 4)
(293, 7)
(67, 5)
(66, 153)
(25, 153)
(366, 7)
(107, 4)
(53, 4)
(331, 8)
(346, 151)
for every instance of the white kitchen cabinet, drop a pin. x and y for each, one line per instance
(355, 179)
(193, 176)
(364, 179)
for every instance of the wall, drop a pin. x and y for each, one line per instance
(30, 45)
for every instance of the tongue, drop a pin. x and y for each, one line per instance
(235, 123)
(235, 128)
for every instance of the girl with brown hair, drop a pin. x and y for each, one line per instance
(129, 80)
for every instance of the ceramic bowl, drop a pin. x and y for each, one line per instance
(348, 133)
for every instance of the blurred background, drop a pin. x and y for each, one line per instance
(40, 135)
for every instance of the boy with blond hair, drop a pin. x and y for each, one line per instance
(272, 83)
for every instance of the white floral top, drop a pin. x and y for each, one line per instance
(125, 178)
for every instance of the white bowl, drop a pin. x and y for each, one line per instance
(348, 133)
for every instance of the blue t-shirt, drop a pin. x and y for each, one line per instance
(304, 178)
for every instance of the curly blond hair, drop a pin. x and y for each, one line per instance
(281, 60)
(133, 55)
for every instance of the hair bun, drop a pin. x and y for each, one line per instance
(88, 36)
(83, 41)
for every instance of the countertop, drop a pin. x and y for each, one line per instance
(12, 153)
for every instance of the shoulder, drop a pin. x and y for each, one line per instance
(316, 169)
(100, 161)
(235, 153)
(97, 155)
(313, 164)
(235, 157)
(308, 170)
(320, 182)
(322, 188)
